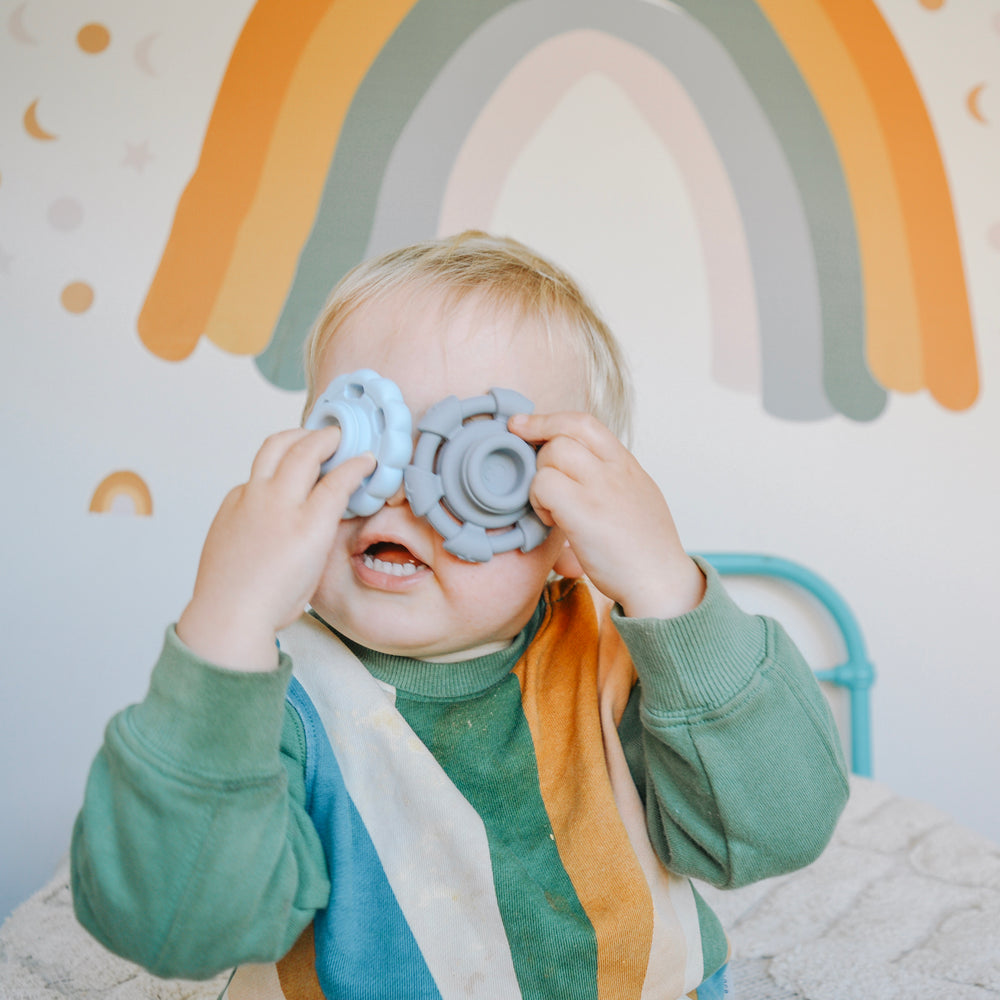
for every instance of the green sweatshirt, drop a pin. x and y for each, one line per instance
(390, 818)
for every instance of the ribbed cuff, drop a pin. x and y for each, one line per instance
(698, 660)
(216, 723)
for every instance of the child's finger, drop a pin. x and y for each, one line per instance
(299, 467)
(273, 450)
(557, 498)
(333, 492)
(547, 489)
(570, 457)
(537, 428)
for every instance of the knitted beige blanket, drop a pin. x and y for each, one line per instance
(904, 903)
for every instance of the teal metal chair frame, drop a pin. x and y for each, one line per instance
(856, 673)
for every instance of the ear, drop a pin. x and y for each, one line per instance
(567, 563)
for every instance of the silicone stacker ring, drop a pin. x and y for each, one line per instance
(372, 416)
(469, 475)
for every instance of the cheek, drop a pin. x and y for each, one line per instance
(512, 581)
(338, 563)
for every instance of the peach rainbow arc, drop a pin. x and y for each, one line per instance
(518, 109)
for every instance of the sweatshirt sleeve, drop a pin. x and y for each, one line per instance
(732, 743)
(193, 851)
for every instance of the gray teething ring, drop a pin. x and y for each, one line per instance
(372, 416)
(469, 475)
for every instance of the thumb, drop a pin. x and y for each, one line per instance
(333, 491)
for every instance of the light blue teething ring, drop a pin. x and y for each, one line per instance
(469, 475)
(372, 416)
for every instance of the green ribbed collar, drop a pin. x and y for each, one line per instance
(462, 679)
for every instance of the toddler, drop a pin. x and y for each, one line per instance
(452, 778)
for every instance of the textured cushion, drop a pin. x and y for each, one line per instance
(903, 903)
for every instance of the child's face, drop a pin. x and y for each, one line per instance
(447, 608)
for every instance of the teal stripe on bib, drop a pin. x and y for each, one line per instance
(350, 948)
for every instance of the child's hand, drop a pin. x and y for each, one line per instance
(613, 514)
(267, 547)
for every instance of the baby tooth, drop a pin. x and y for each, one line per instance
(390, 568)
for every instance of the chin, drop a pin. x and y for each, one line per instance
(392, 642)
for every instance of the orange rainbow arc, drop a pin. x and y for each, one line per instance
(891, 318)
(215, 202)
(301, 143)
(950, 370)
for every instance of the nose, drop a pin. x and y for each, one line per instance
(398, 498)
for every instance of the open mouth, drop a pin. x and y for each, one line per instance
(391, 559)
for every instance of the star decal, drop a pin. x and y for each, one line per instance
(137, 155)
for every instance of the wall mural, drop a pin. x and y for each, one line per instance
(828, 235)
(830, 243)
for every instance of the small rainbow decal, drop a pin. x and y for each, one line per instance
(345, 128)
(122, 492)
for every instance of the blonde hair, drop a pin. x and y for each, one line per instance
(506, 275)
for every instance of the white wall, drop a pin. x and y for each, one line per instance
(899, 514)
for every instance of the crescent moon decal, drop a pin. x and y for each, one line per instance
(31, 124)
(141, 54)
(15, 24)
(972, 103)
